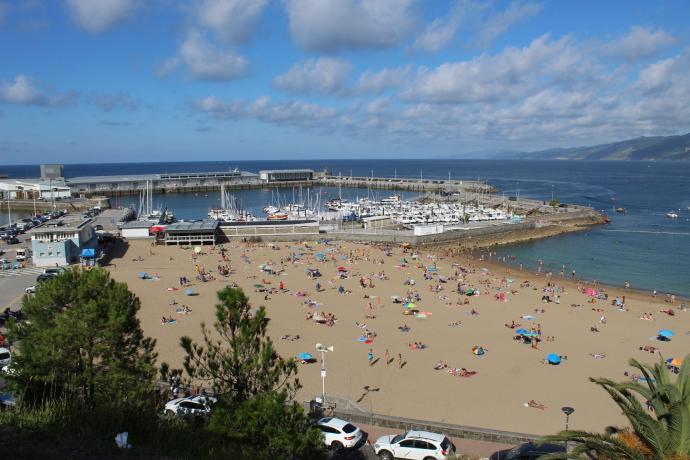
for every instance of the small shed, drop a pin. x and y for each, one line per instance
(136, 229)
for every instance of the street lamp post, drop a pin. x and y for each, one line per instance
(567, 411)
(323, 350)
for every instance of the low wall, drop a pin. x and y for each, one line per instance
(456, 431)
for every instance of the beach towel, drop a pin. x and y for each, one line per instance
(361, 339)
(369, 341)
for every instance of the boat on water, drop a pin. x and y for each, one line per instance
(621, 210)
(229, 211)
(277, 216)
(672, 215)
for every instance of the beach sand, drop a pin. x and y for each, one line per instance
(508, 375)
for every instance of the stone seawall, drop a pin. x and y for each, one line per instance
(532, 228)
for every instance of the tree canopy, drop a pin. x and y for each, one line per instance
(660, 434)
(242, 362)
(82, 339)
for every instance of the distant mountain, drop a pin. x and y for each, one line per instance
(643, 148)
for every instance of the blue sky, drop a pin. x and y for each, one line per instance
(170, 80)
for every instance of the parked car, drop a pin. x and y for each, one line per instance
(339, 434)
(54, 271)
(45, 277)
(416, 445)
(5, 357)
(527, 451)
(193, 406)
(11, 240)
(21, 254)
(31, 289)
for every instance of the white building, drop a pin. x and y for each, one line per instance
(28, 189)
(136, 229)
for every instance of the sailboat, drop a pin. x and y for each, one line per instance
(229, 211)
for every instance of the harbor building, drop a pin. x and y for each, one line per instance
(136, 229)
(200, 232)
(29, 189)
(163, 183)
(56, 243)
(286, 175)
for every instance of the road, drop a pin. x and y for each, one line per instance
(471, 447)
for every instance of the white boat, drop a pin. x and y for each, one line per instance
(672, 215)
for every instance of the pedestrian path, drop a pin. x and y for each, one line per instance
(7, 273)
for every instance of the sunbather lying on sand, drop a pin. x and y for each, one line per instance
(536, 405)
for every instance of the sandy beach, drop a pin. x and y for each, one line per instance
(509, 373)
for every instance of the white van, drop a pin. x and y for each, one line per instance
(21, 254)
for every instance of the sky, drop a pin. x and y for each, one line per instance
(88, 81)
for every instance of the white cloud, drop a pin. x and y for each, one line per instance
(205, 61)
(441, 31)
(506, 76)
(231, 20)
(497, 25)
(639, 43)
(23, 91)
(331, 25)
(290, 113)
(319, 76)
(378, 105)
(377, 82)
(99, 15)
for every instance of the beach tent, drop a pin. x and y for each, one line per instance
(521, 331)
(87, 253)
(477, 350)
(553, 358)
(143, 275)
(666, 333)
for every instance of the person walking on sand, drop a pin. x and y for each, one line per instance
(399, 360)
(385, 355)
(370, 357)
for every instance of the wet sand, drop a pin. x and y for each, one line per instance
(509, 374)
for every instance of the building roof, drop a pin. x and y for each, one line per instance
(51, 226)
(137, 224)
(273, 171)
(157, 177)
(203, 226)
(41, 183)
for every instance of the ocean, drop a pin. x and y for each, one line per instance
(643, 246)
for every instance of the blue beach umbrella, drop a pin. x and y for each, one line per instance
(305, 356)
(553, 358)
(521, 331)
(530, 334)
(143, 275)
(666, 333)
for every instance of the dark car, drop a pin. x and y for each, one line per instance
(11, 240)
(44, 277)
(527, 451)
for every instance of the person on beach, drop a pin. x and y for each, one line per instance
(370, 357)
(385, 356)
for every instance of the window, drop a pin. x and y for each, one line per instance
(424, 445)
(349, 428)
(328, 429)
(408, 443)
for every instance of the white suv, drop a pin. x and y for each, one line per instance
(416, 445)
(338, 433)
(189, 407)
(5, 357)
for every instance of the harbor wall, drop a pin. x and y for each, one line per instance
(500, 233)
(134, 187)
